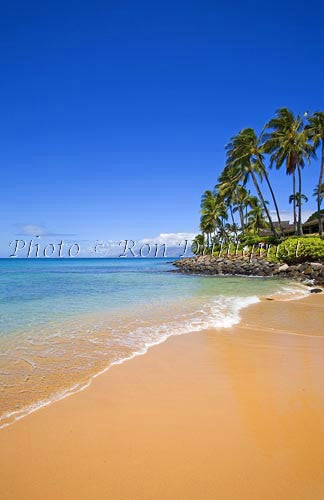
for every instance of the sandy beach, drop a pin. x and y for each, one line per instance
(222, 414)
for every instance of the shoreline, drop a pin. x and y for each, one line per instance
(309, 273)
(133, 432)
(79, 387)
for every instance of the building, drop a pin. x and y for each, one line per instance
(310, 227)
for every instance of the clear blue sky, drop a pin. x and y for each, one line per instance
(114, 114)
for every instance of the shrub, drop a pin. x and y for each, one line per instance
(254, 239)
(314, 216)
(301, 249)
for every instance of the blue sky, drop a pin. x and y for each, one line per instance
(115, 113)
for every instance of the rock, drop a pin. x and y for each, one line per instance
(316, 265)
(307, 272)
(316, 290)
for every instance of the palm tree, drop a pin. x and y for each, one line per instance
(298, 199)
(207, 220)
(256, 219)
(288, 142)
(251, 148)
(315, 129)
(221, 212)
(210, 212)
(319, 191)
(226, 189)
(213, 216)
(242, 156)
(197, 244)
(241, 203)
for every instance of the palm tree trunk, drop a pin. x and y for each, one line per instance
(242, 218)
(204, 240)
(240, 209)
(320, 182)
(255, 182)
(233, 221)
(273, 198)
(300, 228)
(294, 205)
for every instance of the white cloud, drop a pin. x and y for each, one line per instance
(32, 230)
(288, 215)
(170, 239)
(37, 230)
(175, 244)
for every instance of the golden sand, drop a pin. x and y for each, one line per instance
(223, 414)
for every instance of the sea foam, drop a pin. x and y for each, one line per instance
(220, 312)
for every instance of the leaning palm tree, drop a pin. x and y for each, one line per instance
(315, 129)
(228, 189)
(206, 199)
(251, 148)
(242, 157)
(287, 142)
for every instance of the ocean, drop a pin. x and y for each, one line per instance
(65, 321)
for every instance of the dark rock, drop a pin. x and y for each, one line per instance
(308, 272)
(316, 290)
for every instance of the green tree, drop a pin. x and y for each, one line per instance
(256, 219)
(213, 216)
(287, 142)
(298, 198)
(197, 246)
(315, 130)
(208, 215)
(241, 204)
(247, 163)
(226, 189)
(319, 190)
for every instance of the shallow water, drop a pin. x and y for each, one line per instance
(63, 321)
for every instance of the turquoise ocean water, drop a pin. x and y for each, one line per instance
(64, 321)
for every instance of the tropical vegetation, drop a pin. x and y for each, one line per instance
(238, 207)
(297, 250)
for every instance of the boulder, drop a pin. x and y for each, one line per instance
(316, 265)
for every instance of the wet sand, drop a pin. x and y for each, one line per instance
(223, 414)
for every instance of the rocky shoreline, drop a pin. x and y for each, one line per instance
(310, 273)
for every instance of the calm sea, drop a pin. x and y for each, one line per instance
(64, 321)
